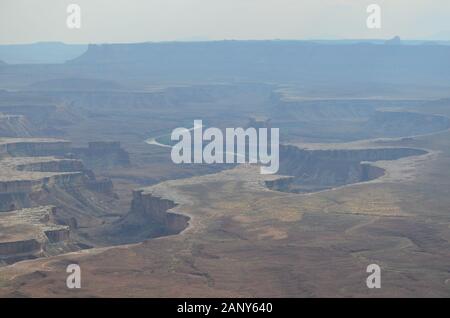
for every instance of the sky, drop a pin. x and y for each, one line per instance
(125, 21)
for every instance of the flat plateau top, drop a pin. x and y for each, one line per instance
(4, 141)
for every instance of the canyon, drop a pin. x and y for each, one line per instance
(86, 175)
(315, 170)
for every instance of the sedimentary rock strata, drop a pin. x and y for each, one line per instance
(14, 126)
(28, 233)
(33, 147)
(150, 216)
(314, 170)
(36, 172)
(102, 154)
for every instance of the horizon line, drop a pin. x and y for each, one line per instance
(231, 40)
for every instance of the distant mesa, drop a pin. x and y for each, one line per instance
(76, 84)
(394, 41)
(270, 61)
(40, 53)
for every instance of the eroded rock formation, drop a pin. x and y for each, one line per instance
(31, 233)
(313, 170)
(149, 217)
(14, 126)
(37, 172)
(102, 154)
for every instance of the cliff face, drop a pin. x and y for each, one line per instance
(397, 124)
(291, 153)
(148, 218)
(101, 155)
(21, 193)
(3, 150)
(348, 120)
(149, 206)
(28, 180)
(30, 233)
(34, 148)
(12, 201)
(14, 126)
(19, 248)
(35, 173)
(100, 185)
(58, 235)
(60, 165)
(26, 173)
(313, 170)
(34, 112)
(153, 209)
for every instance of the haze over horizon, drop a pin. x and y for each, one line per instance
(319, 168)
(198, 20)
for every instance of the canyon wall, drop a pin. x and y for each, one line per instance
(32, 168)
(148, 218)
(61, 165)
(16, 248)
(30, 233)
(313, 170)
(34, 148)
(102, 154)
(14, 126)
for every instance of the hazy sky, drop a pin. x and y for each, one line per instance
(24, 21)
